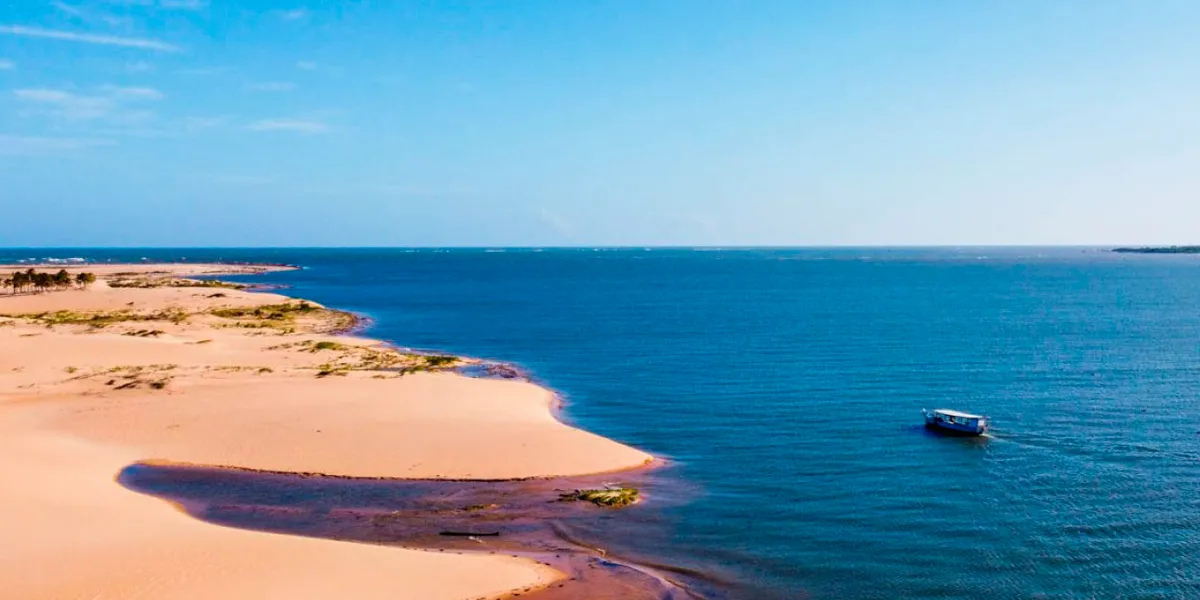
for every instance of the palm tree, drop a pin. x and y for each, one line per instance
(43, 281)
(85, 279)
(62, 279)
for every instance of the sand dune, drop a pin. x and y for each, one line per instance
(78, 403)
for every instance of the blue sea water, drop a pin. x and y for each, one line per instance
(785, 385)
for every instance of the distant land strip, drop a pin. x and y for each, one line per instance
(1160, 250)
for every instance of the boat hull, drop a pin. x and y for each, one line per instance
(949, 429)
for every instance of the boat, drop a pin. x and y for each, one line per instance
(955, 422)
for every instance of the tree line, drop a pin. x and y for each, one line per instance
(42, 281)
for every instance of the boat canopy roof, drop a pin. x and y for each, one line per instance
(955, 413)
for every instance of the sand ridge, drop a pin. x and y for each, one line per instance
(223, 376)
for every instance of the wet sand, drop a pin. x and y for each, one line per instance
(522, 518)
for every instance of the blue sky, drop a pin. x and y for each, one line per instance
(642, 122)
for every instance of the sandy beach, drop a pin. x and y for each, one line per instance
(144, 366)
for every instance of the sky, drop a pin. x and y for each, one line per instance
(599, 122)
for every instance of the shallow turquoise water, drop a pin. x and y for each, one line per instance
(786, 385)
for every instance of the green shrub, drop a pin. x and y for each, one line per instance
(608, 497)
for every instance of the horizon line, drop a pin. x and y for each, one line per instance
(611, 246)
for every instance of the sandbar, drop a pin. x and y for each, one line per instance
(93, 380)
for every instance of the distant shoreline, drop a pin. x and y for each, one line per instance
(1159, 250)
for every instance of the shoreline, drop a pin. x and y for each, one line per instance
(178, 360)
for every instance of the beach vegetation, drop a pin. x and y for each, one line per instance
(153, 376)
(274, 312)
(327, 345)
(284, 317)
(145, 333)
(363, 358)
(329, 369)
(434, 361)
(613, 497)
(101, 319)
(32, 280)
(176, 282)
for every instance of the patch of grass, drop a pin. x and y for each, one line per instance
(145, 333)
(178, 282)
(278, 316)
(274, 312)
(265, 370)
(330, 369)
(211, 283)
(607, 497)
(428, 362)
(364, 358)
(101, 319)
(436, 361)
(71, 370)
(134, 376)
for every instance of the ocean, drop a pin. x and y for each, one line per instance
(785, 388)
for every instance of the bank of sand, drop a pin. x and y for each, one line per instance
(78, 403)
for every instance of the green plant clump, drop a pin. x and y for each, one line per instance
(434, 361)
(102, 319)
(608, 497)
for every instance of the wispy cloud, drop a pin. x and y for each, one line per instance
(24, 145)
(293, 15)
(296, 125)
(87, 38)
(140, 66)
(65, 104)
(306, 65)
(69, 10)
(112, 103)
(7, 65)
(271, 86)
(90, 15)
(133, 93)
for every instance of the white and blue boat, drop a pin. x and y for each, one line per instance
(955, 422)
